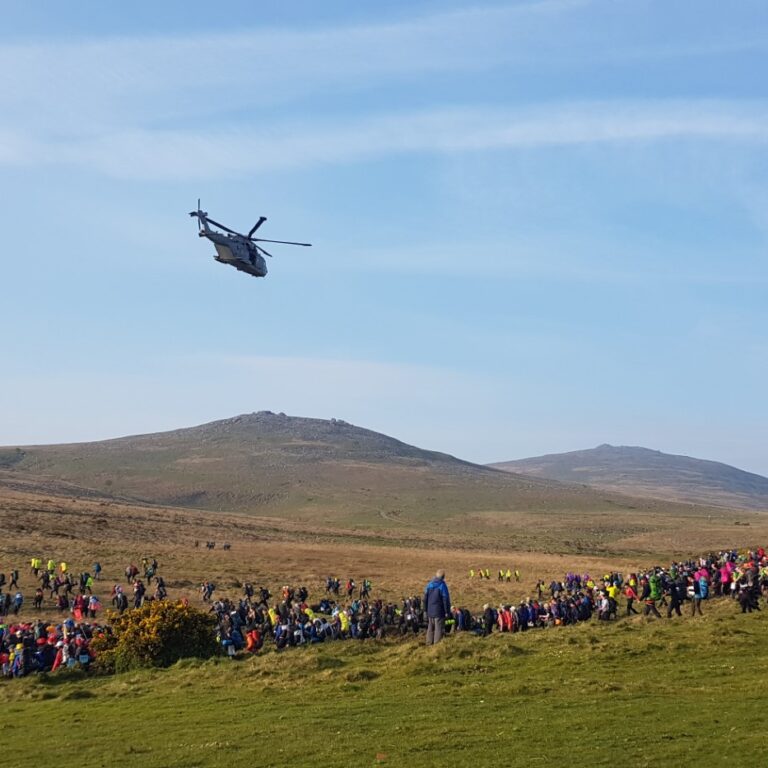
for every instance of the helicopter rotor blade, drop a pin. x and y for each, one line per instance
(221, 226)
(261, 220)
(282, 242)
(263, 250)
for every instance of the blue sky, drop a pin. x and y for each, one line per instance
(537, 226)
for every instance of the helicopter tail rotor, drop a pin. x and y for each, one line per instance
(200, 214)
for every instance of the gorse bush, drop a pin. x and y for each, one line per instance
(156, 635)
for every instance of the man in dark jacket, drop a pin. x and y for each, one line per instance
(437, 604)
(675, 598)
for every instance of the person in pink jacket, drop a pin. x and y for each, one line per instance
(725, 579)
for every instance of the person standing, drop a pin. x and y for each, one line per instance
(437, 603)
(696, 598)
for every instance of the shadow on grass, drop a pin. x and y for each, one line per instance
(60, 677)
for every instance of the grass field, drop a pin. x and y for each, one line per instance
(635, 693)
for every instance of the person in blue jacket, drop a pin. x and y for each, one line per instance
(437, 603)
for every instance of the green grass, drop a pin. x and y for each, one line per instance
(634, 693)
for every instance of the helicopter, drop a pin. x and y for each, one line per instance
(237, 250)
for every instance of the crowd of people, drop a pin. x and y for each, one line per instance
(34, 645)
(576, 598)
(246, 623)
(38, 646)
(348, 611)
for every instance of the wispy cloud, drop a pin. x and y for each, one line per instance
(92, 84)
(124, 106)
(191, 155)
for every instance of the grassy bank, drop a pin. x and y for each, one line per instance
(633, 693)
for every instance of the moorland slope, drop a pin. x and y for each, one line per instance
(644, 472)
(273, 464)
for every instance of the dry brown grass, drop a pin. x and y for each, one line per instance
(399, 557)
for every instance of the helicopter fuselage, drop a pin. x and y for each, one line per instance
(237, 252)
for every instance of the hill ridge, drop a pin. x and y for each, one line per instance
(649, 472)
(277, 423)
(304, 469)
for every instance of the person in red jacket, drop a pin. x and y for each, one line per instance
(631, 595)
(254, 641)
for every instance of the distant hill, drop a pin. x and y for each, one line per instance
(273, 464)
(643, 472)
